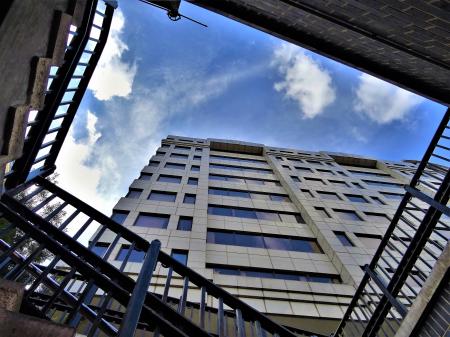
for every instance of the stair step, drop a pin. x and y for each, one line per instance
(11, 294)
(17, 324)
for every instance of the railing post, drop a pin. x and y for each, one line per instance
(134, 308)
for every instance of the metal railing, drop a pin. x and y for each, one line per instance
(47, 128)
(413, 242)
(80, 282)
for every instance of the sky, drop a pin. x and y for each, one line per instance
(157, 77)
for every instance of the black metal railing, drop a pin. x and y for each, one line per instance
(413, 242)
(64, 250)
(47, 128)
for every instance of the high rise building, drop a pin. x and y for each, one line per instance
(288, 231)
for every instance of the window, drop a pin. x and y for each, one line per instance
(195, 168)
(357, 185)
(179, 147)
(100, 248)
(322, 211)
(145, 176)
(314, 180)
(278, 197)
(286, 167)
(197, 157)
(378, 201)
(153, 163)
(308, 193)
(119, 216)
(392, 196)
(344, 239)
(239, 160)
(369, 241)
(160, 153)
(162, 196)
(189, 199)
(377, 217)
(134, 193)
(314, 162)
(303, 169)
(184, 223)
(165, 145)
(382, 184)
(258, 240)
(192, 181)
(328, 196)
(240, 168)
(133, 256)
(175, 166)
(326, 172)
(152, 220)
(347, 215)
(368, 174)
(274, 274)
(338, 183)
(296, 179)
(169, 179)
(228, 193)
(254, 214)
(356, 198)
(179, 155)
(198, 149)
(180, 255)
(240, 180)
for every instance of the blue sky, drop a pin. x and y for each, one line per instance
(158, 77)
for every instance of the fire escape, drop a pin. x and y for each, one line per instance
(78, 287)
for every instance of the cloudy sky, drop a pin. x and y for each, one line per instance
(157, 77)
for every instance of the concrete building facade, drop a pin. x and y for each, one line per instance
(288, 231)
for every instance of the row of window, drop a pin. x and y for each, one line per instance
(345, 184)
(153, 220)
(350, 197)
(273, 274)
(248, 195)
(253, 181)
(183, 156)
(240, 168)
(266, 241)
(238, 160)
(135, 193)
(254, 214)
(368, 240)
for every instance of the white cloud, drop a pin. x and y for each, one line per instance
(382, 102)
(304, 80)
(112, 76)
(76, 176)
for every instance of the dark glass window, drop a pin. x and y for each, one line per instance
(195, 168)
(229, 193)
(180, 255)
(358, 186)
(368, 174)
(184, 223)
(315, 180)
(356, 198)
(135, 255)
(338, 183)
(328, 196)
(134, 193)
(192, 181)
(239, 168)
(344, 239)
(198, 149)
(378, 217)
(152, 220)
(308, 193)
(274, 274)
(100, 248)
(145, 176)
(347, 215)
(179, 147)
(175, 166)
(165, 145)
(279, 197)
(296, 179)
(369, 241)
(326, 172)
(286, 167)
(378, 201)
(241, 160)
(197, 157)
(119, 216)
(169, 179)
(160, 153)
(303, 169)
(254, 214)
(162, 196)
(392, 196)
(258, 240)
(254, 181)
(189, 199)
(153, 163)
(382, 184)
(323, 212)
(179, 155)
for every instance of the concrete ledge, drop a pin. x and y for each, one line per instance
(16, 324)
(11, 294)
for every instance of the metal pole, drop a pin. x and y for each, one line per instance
(137, 299)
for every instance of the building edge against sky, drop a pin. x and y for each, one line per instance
(288, 231)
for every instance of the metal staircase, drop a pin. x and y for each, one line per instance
(47, 129)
